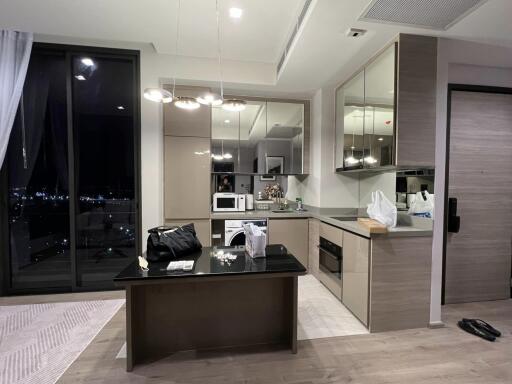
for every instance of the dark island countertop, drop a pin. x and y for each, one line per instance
(277, 261)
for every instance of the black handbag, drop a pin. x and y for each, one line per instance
(169, 243)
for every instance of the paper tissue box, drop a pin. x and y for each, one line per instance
(255, 241)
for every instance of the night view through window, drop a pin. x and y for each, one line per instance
(103, 161)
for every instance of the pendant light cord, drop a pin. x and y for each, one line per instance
(176, 49)
(219, 49)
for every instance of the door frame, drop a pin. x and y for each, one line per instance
(5, 260)
(453, 87)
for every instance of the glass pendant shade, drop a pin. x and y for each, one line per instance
(158, 95)
(234, 105)
(185, 102)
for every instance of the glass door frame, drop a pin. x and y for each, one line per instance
(5, 257)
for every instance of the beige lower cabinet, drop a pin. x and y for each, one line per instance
(202, 228)
(356, 256)
(293, 234)
(314, 235)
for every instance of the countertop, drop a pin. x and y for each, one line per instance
(278, 260)
(406, 225)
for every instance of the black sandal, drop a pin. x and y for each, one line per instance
(480, 324)
(470, 328)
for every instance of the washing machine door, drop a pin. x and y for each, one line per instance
(235, 237)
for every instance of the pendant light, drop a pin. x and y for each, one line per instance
(211, 98)
(234, 105)
(158, 95)
(183, 102)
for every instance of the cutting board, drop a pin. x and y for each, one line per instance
(371, 225)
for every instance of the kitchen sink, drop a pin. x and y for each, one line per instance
(283, 211)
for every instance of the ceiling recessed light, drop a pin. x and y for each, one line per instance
(120, 107)
(87, 61)
(235, 13)
(227, 121)
(80, 77)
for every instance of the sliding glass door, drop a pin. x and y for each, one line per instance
(72, 171)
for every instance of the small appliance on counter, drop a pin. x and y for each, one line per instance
(228, 202)
(249, 202)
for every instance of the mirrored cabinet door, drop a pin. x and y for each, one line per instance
(353, 122)
(283, 144)
(253, 127)
(379, 100)
(225, 149)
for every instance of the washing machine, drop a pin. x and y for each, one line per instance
(234, 230)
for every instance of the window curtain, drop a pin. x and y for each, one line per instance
(15, 48)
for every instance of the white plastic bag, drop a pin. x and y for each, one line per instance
(255, 240)
(423, 207)
(382, 210)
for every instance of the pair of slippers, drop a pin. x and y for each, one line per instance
(479, 328)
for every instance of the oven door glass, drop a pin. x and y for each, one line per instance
(330, 264)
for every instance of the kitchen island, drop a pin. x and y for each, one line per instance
(216, 305)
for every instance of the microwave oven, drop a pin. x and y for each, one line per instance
(228, 202)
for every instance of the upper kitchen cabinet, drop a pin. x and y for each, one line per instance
(225, 140)
(185, 122)
(282, 148)
(350, 124)
(391, 103)
(379, 108)
(267, 137)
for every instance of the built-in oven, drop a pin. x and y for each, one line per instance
(331, 258)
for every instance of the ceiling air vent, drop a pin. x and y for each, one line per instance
(432, 14)
(293, 34)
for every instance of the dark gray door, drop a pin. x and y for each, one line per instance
(478, 258)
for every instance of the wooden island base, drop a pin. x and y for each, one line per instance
(189, 313)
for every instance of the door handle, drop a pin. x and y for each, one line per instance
(453, 219)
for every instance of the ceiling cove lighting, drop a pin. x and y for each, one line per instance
(185, 102)
(158, 95)
(235, 13)
(234, 105)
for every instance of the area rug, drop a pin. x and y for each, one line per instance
(39, 342)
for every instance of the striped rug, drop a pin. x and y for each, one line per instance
(39, 342)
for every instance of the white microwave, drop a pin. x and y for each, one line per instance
(228, 202)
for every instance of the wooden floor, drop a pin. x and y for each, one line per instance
(445, 355)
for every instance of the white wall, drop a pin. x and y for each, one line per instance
(458, 62)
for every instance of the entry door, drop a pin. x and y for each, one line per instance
(478, 257)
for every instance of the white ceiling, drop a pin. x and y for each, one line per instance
(258, 36)
(322, 54)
